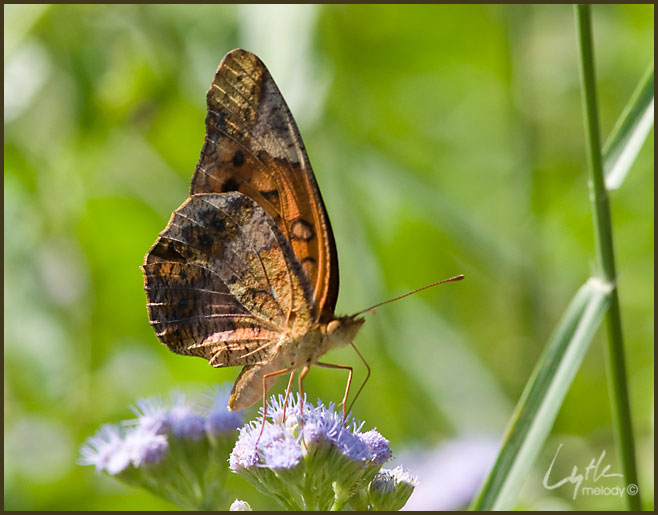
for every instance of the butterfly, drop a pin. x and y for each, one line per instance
(246, 272)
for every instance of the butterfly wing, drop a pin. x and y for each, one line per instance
(253, 146)
(223, 283)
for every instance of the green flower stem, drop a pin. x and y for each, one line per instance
(338, 504)
(617, 380)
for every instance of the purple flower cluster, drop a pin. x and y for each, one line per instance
(105, 450)
(112, 450)
(311, 458)
(146, 439)
(283, 444)
(306, 456)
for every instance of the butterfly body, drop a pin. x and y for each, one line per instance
(307, 348)
(293, 353)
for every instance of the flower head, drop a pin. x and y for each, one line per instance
(280, 449)
(184, 419)
(286, 442)
(106, 450)
(312, 449)
(170, 443)
(324, 424)
(378, 445)
(145, 447)
(239, 505)
(220, 420)
(152, 415)
(391, 488)
(244, 454)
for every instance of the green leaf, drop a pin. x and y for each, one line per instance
(543, 396)
(629, 133)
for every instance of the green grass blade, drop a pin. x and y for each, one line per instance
(543, 396)
(616, 361)
(629, 133)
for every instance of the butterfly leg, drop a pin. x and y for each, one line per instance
(365, 380)
(349, 382)
(302, 374)
(265, 378)
(285, 401)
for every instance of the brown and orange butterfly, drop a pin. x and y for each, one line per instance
(246, 272)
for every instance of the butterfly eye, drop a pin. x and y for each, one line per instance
(333, 326)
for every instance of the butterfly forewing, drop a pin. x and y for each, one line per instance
(253, 146)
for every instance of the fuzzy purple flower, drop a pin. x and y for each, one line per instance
(378, 445)
(311, 458)
(185, 421)
(152, 415)
(106, 451)
(324, 424)
(276, 448)
(145, 447)
(245, 454)
(171, 449)
(111, 452)
(220, 420)
(280, 449)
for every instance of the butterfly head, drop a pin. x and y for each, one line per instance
(342, 331)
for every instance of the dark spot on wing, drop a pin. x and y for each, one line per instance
(205, 240)
(217, 119)
(271, 196)
(286, 162)
(165, 250)
(238, 158)
(230, 185)
(218, 224)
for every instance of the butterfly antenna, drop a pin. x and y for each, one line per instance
(456, 278)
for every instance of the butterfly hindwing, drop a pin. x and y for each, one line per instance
(223, 283)
(253, 146)
(193, 313)
(248, 387)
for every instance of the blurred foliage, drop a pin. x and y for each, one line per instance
(445, 139)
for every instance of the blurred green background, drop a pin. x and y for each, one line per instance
(445, 140)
